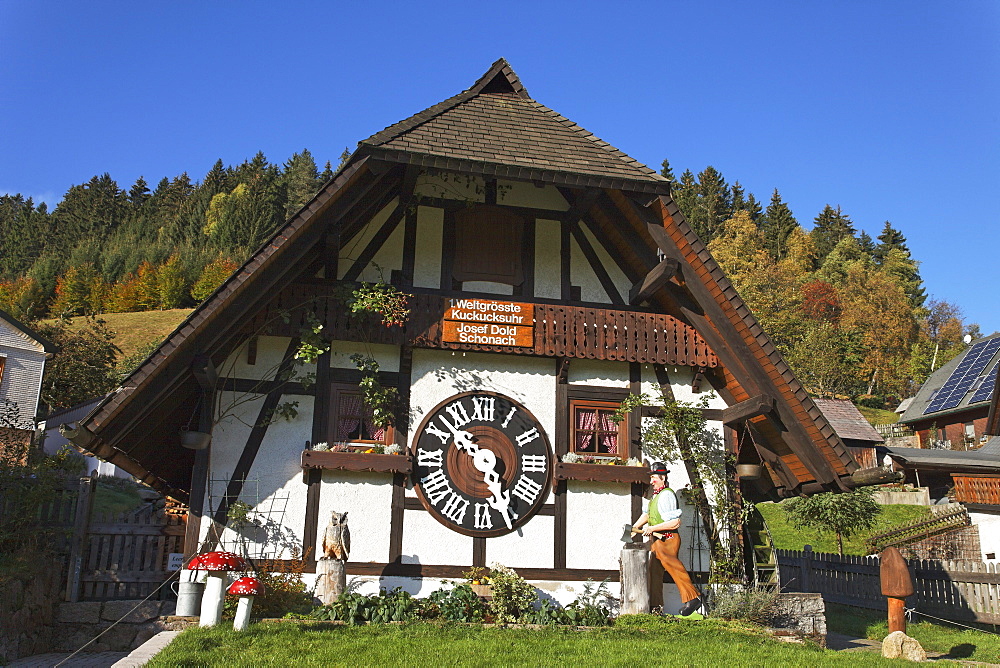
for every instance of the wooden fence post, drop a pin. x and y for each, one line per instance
(81, 522)
(805, 568)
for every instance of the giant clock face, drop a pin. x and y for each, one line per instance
(482, 464)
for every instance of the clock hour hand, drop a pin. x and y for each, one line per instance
(485, 461)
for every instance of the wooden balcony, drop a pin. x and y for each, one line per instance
(977, 488)
(619, 334)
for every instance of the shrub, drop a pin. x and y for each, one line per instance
(458, 604)
(757, 604)
(586, 610)
(395, 605)
(513, 598)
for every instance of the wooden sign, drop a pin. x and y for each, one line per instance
(489, 322)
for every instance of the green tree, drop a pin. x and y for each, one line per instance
(743, 201)
(84, 366)
(172, 288)
(301, 181)
(776, 224)
(665, 170)
(841, 514)
(893, 255)
(712, 204)
(829, 228)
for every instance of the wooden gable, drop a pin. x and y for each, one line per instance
(667, 301)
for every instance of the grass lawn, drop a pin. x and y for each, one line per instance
(958, 643)
(662, 642)
(136, 331)
(113, 500)
(878, 415)
(787, 537)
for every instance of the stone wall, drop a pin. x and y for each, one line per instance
(78, 623)
(803, 614)
(28, 608)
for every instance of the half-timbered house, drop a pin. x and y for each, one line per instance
(550, 275)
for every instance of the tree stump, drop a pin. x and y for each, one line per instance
(634, 579)
(331, 580)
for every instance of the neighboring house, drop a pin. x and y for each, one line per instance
(23, 354)
(971, 477)
(950, 411)
(53, 440)
(852, 428)
(550, 276)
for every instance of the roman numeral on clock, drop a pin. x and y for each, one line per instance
(510, 416)
(454, 509)
(533, 463)
(459, 416)
(527, 437)
(445, 436)
(429, 457)
(483, 408)
(526, 489)
(481, 516)
(435, 486)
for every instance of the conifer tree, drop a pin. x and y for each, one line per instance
(301, 181)
(665, 170)
(326, 174)
(743, 201)
(712, 206)
(829, 228)
(776, 224)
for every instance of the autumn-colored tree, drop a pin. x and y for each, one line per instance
(212, 276)
(172, 288)
(22, 298)
(84, 367)
(820, 301)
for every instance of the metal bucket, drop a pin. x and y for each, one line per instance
(188, 598)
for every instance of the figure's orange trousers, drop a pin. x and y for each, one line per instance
(666, 551)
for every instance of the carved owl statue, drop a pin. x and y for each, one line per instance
(337, 537)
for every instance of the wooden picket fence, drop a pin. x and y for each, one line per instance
(125, 557)
(955, 590)
(109, 557)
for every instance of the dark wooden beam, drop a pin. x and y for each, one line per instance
(596, 266)
(653, 281)
(205, 372)
(376, 242)
(749, 409)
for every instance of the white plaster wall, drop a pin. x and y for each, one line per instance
(274, 482)
(351, 248)
(596, 514)
(451, 186)
(427, 541)
(519, 193)
(604, 257)
(583, 275)
(989, 533)
(548, 266)
(270, 350)
(598, 372)
(530, 546)
(367, 499)
(427, 255)
(388, 257)
(680, 382)
(386, 355)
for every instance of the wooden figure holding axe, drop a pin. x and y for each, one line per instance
(660, 521)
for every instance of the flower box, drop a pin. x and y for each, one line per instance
(356, 461)
(601, 472)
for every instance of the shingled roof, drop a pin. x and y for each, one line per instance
(847, 420)
(496, 129)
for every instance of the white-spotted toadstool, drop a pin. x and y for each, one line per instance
(217, 564)
(246, 588)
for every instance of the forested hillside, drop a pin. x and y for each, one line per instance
(849, 311)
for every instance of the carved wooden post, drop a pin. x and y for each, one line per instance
(634, 579)
(896, 585)
(331, 579)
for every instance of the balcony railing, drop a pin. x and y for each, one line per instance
(559, 330)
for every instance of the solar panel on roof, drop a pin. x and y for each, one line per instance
(985, 391)
(965, 374)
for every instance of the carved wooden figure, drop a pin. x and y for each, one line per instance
(896, 585)
(337, 537)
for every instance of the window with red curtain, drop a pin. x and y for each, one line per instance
(594, 431)
(351, 420)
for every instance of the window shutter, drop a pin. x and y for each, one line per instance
(488, 245)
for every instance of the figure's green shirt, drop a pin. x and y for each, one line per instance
(663, 507)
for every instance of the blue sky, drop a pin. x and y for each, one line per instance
(888, 109)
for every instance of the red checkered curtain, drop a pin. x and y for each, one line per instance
(351, 408)
(586, 420)
(608, 433)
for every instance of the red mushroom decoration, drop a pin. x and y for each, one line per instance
(246, 588)
(217, 564)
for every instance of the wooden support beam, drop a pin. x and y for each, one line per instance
(653, 281)
(205, 373)
(749, 409)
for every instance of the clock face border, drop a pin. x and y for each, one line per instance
(524, 517)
